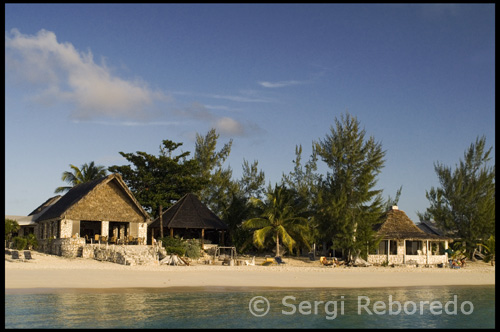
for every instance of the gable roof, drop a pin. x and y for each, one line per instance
(397, 225)
(37, 212)
(77, 193)
(189, 212)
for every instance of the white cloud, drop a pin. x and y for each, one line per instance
(229, 127)
(66, 75)
(279, 84)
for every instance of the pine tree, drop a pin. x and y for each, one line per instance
(464, 204)
(348, 204)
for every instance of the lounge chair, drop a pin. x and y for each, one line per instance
(15, 254)
(251, 262)
(279, 260)
(27, 255)
(268, 261)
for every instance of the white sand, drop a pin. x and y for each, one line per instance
(53, 272)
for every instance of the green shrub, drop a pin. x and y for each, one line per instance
(176, 245)
(176, 250)
(20, 243)
(32, 241)
(193, 248)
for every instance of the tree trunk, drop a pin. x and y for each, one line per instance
(277, 245)
(161, 222)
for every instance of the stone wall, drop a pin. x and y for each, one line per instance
(68, 247)
(401, 259)
(125, 255)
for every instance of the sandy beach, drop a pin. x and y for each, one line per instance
(49, 273)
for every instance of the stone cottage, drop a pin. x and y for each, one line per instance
(404, 243)
(101, 209)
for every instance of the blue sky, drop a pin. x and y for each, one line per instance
(85, 81)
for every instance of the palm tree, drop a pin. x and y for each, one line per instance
(88, 172)
(280, 218)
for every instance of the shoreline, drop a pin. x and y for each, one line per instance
(207, 289)
(49, 274)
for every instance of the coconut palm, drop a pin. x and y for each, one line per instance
(489, 246)
(86, 173)
(280, 218)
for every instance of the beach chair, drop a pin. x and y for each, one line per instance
(279, 260)
(252, 262)
(27, 255)
(15, 254)
(268, 261)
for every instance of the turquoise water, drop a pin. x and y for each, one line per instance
(419, 307)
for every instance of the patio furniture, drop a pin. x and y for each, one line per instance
(27, 255)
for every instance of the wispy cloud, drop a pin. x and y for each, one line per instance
(280, 84)
(69, 76)
(131, 123)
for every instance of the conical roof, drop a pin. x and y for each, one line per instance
(397, 225)
(189, 213)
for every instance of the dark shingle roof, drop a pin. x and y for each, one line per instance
(69, 199)
(189, 213)
(45, 205)
(397, 225)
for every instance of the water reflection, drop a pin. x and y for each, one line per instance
(159, 309)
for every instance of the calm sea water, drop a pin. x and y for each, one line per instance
(419, 307)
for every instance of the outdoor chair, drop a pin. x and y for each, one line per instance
(268, 261)
(104, 239)
(113, 239)
(131, 240)
(27, 255)
(15, 254)
(252, 262)
(96, 238)
(140, 240)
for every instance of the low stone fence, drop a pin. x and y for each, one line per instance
(120, 254)
(69, 247)
(123, 254)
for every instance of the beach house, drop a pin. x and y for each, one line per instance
(189, 218)
(402, 242)
(103, 209)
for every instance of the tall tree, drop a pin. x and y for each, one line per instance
(304, 181)
(280, 219)
(348, 204)
(86, 173)
(218, 183)
(160, 180)
(465, 201)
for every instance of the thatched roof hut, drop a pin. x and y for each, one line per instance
(397, 225)
(188, 213)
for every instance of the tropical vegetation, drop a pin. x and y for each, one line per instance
(87, 172)
(337, 208)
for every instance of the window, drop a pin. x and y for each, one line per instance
(382, 247)
(412, 247)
